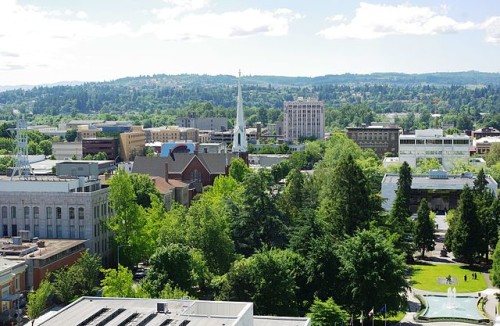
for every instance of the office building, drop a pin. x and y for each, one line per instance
(379, 138)
(304, 118)
(431, 143)
(93, 146)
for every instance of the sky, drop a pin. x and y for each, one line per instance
(48, 41)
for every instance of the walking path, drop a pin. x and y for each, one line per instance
(414, 303)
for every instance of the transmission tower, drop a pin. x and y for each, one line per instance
(22, 168)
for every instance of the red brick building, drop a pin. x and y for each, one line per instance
(94, 146)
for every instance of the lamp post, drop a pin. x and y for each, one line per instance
(118, 256)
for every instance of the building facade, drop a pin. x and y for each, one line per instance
(52, 207)
(485, 132)
(93, 146)
(132, 144)
(210, 123)
(12, 285)
(381, 139)
(66, 150)
(431, 143)
(304, 118)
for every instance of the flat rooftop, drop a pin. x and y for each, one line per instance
(32, 250)
(121, 311)
(452, 182)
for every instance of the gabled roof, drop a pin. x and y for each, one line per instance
(165, 187)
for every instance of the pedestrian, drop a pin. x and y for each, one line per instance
(465, 278)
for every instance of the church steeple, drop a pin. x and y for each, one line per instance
(239, 133)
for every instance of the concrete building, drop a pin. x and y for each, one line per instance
(132, 144)
(379, 138)
(93, 146)
(65, 150)
(12, 287)
(122, 311)
(84, 132)
(431, 143)
(483, 145)
(209, 123)
(72, 205)
(441, 190)
(171, 134)
(73, 124)
(214, 148)
(304, 118)
(42, 256)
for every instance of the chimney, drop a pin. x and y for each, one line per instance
(166, 172)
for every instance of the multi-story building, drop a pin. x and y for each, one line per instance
(67, 150)
(381, 139)
(431, 143)
(132, 144)
(485, 132)
(211, 123)
(12, 285)
(93, 146)
(84, 132)
(483, 145)
(71, 205)
(304, 118)
(171, 133)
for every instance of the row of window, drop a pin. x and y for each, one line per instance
(434, 141)
(49, 231)
(49, 212)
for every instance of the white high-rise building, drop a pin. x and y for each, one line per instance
(431, 143)
(240, 137)
(304, 118)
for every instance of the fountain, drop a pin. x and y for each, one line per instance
(451, 298)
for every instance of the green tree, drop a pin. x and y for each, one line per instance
(64, 284)
(86, 272)
(371, 271)
(324, 313)
(239, 169)
(259, 221)
(292, 198)
(144, 188)
(424, 229)
(46, 147)
(38, 300)
(172, 292)
(70, 135)
(346, 204)
(427, 164)
(467, 231)
(269, 279)
(493, 155)
(495, 270)
(101, 156)
(119, 283)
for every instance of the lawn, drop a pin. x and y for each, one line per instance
(425, 277)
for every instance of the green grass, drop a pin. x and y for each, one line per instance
(425, 277)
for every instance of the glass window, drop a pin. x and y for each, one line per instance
(72, 232)
(13, 212)
(27, 227)
(71, 213)
(36, 212)
(26, 212)
(81, 213)
(4, 211)
(36, 231)
(58, 212)
(49, 212)
(81, 231)
(50, 231)
(59, 231)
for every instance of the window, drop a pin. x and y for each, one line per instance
(36, 230)
(72, 232)
(49, 212)
(50, 231)
(5, 230)
(14, 230)
(27, 227)
(59, 231)
(4, 211)
(71, 213)
(58, 212)
(36, 212)
(81, 231)
(26, 212)
(196, 176)
(81, 213)
(13, 212)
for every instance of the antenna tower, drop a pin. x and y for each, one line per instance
(22, 168)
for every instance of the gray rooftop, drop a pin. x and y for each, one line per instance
(120, 311)
(452, 182)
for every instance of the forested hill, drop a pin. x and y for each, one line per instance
(383, 92)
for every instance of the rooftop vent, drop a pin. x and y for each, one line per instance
(162, 307)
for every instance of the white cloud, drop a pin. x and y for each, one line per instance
(40, 37)
(336, 18)
(492, 28)
(373, 21)
(185, 20)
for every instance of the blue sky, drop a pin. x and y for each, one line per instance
(46, 41)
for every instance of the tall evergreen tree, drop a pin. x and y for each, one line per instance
(424, 230)
(480, 183)
(466, 242)
(404, 184)
(347, 204)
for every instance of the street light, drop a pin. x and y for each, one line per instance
(118, 257)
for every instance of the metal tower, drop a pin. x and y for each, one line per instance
(22, 168)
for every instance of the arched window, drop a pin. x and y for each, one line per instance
(81, 213)
(196, 176)
(4, 211)
(71, 213)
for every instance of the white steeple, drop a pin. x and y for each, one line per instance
(239, 133)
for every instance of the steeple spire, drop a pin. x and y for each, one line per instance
(239, 133)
